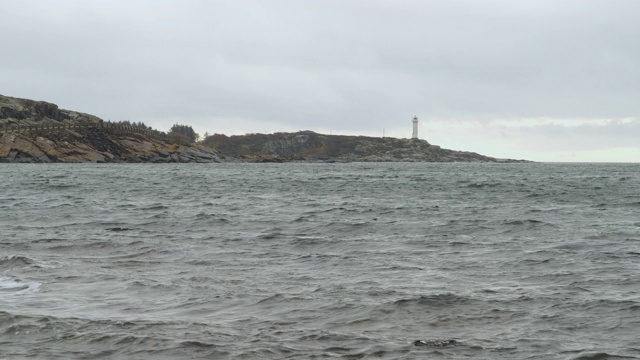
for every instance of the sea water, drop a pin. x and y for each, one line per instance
(309, 261)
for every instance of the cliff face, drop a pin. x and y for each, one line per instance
(310, 146)
(37, 131)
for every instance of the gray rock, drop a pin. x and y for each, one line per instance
(41, 132)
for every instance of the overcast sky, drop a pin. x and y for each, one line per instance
(554, 80)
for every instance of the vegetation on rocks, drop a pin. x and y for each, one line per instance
(310, 146)
(182, 133)
(37, 131)
(139, 124)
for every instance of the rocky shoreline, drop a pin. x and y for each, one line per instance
(99, 146)
(308, 146)
(40, 132)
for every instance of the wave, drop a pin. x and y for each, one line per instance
(436, 300)
(325, 336)
(520, 225)
(525, 222)
(303, 241)
(48, 240)
(605, 206)
(402, 268)
(545, 210)
(88, 245)
(141, 252)
(610, 304)
(16, 261)
(17, 286)
(484, 185)
(62, 186)
(215, 217)
(283, 303)
(273, 236)
(7, 284)
(601, 356)
(277, 298)
(40, 336)
(436, 343)
(154, 207)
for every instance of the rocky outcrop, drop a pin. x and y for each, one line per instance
(36, 131)
(97, 145)
(310, 146)
(29, 112)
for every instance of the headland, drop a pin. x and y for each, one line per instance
(308, 146)
(40, 132)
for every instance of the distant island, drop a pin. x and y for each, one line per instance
(39, 132)
(313, 147)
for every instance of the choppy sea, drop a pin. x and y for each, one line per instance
(320, 261)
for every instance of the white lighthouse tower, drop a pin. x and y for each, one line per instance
(415, 128)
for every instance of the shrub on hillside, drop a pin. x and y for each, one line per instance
(185, 130)
(178, 138)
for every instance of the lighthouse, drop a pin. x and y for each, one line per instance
(415, 128)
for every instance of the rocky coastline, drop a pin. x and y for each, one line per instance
(40, 132)
(308, 146)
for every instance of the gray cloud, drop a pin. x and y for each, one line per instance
(350, 66)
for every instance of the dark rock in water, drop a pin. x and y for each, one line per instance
(118, 229)
(435, 343)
